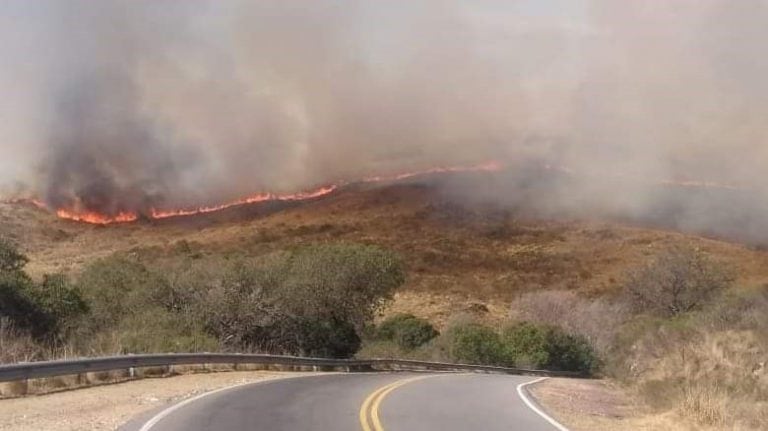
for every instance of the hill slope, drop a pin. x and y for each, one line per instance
(461, 257)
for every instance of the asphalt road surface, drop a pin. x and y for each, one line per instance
(355, 402)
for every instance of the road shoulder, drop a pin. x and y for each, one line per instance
(108, 407)
(598, 405)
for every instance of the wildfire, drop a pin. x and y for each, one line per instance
(157, 213)
(260, 197)
(96, 218)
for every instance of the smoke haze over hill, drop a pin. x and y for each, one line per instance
(128, 105)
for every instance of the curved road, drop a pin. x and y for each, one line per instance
(355, 402)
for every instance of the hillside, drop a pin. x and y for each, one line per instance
(461, 257)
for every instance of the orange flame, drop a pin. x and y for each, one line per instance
(96, 218)
(155, 213)
(260, 197)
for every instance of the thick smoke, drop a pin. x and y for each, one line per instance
(120, 105)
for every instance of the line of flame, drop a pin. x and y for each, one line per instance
(154, 213)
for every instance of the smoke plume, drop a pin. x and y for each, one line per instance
(128, 105)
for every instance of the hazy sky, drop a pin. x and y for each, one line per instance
(42, 41)
(132, 104)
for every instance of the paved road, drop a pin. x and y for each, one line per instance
(355, 402)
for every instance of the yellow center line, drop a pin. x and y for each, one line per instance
(369, 411)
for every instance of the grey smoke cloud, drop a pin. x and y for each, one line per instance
(126, 105)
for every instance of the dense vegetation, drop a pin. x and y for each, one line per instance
(406, 330)
(313, 300)
(521, 344)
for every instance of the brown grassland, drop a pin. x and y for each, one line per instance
(459, 259)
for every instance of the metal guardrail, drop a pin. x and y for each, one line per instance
(36, 370)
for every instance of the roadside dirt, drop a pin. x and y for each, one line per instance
(599, 405)
(103, 408)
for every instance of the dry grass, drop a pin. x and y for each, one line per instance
(705, 404)
(457, 256)
(715, 379)
(594, 405)
(16, 346)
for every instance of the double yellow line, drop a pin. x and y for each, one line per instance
(369, 412)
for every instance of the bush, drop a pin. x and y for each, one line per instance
(155, 330)
(597, 319)
(520, 345)
(328, 339)
(678, 281)
(742, 309)
(116, 287)
(474, 343)
(547, 347)
(570, 353)
(526, 345)
(407, 330)
(11, 260)
(61, 301)
(343, 281)
(18, 305)
(314, 300)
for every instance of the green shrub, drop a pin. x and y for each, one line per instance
(20, 308)
(526, 345)
(116, 287)
(407, 330)
(328, 339)
(342, 281)
(571, 353)
(314, 300)
(62, 301)
(547, 347)
(473, 343)
(18, 304)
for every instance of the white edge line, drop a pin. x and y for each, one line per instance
(521, 391)
(163, 414)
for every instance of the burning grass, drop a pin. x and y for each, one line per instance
(81, 212)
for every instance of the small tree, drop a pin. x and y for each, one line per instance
(314, 300)
(677, 281)
(343, 281)
(407, 330)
